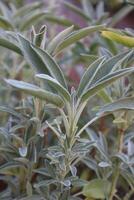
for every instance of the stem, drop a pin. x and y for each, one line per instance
(114, 183)
(65, 120)
(121, 137)
(86, 125)
(117, 169)
(78, 194)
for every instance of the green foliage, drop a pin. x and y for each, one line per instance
(97, 189)
(58, 141)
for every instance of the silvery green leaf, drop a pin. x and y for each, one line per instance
(31, 56)
(90, 162)
(73, 170)
(23, 151)
(79, 182)
(130, 147)
(42, 171)
(39, 39)
(103, 142)
(78, 35)
(92, 134)
(58, 154)
(88, 75)
(56, 85)
(88, 9)
(76, 10)
(50, 168)
(104, 52)
(104, 164)
(36, 91)
(110, 65)
(100, 9)
(124, 11)
(66, 183)
(10, 43)
(5, 24)
(121, 104)
(11, 168)
(44, 183)
(51, 65)
(96, 73)
(27, 9)
(32, 152)
(54, 43)
(121, 156)
(106, 81)
(31, 19)
(10, 111)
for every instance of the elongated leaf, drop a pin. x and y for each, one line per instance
(76, 10)
(45, 183)
(32, 152)
(58, 38)
(9, 45)
(10, 111)
(88, 9)
(12, 168)
(56, 85)
(60, 21)
(78, 35)
(100, 69)
(39, 39)
(107, 81)
(89, 58)
(42, 171)
(5, 10)
(51, 65)
(110, 65)
(88, 75)
(36, 91)
(31, 56)
(119, 38)
(120, 15)
(40, 59)
(121, 104)
(27, 9)
(32, 19)
(97, 188)
(105, 96)
(5, 24)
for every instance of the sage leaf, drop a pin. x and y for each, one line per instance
(56, 85)
(51, 65)
(36, 91)
(5, 24)
(109, 79)
(78, 35)
(97, 188)
(54, 43)
(121, 104)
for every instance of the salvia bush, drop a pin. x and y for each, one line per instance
(57, 141)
